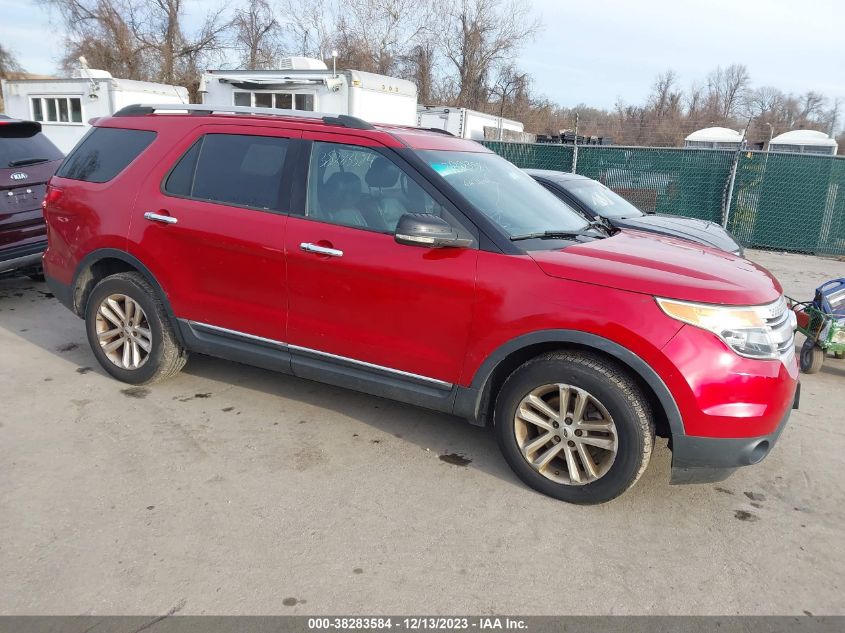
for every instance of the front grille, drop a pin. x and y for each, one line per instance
(781, 321)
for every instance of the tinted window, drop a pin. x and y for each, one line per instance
(104, 153)
(18, 145)
(233, 169)
(359, 187)
(181, 179)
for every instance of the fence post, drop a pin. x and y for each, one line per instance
(575, 146)
(726, 204)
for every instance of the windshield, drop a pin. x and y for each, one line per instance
(601, 200)
(504, 193)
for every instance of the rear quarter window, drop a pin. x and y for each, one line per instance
(104, 153)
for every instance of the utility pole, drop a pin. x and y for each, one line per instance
(575, 146)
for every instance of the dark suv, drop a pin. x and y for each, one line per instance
(27, 160)
(417, 266)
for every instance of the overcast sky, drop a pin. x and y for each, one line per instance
(597, 51)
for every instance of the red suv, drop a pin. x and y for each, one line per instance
(413, 265)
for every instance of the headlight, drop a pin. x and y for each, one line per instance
(751, 331)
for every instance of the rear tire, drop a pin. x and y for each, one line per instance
(129, 331)
(600, 440)
(812, 357)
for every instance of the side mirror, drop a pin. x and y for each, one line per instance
(425, 229)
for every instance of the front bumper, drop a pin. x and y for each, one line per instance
(701, 460)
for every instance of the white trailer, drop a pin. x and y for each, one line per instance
(307, 84)
(65, 105)
(464, 122)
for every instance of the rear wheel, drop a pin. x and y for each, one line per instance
(574, 426)
(812, 357)
(129, 331)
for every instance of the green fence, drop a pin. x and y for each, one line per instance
(791, 202)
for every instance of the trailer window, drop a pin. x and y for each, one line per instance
(280, 100)
(57, 109)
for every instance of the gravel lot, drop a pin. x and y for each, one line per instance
(233, 490)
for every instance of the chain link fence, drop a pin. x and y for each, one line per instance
(790, 202)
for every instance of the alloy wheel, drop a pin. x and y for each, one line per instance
(566, 434)
(124, 331)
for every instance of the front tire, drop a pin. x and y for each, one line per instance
(574, 426)
(129, 331)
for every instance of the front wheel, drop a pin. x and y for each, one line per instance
(129, 331)
(574, 426)
(812, 357)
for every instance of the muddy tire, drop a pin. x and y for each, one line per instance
(574, 426)
(129, 331)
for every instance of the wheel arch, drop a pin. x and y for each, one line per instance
(475, 402)
(108, 261)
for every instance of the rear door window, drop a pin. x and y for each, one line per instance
(104, 153)
(235, 169)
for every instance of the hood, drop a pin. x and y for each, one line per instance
(702, 231)
(662, 266)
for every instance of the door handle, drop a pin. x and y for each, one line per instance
(320, 250)
(158, 217)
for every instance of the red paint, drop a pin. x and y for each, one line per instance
(439, 313)
(664, 266)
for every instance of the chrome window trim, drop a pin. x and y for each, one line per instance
(298, 348)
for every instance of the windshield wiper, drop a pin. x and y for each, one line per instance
(603, 225)
(553, 234)
(27, 161)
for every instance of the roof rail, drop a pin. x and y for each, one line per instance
(343, 120)
(438, 130)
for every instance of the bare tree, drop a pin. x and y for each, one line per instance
(135, 39)
(257, 35)
(728, 87)
(8, 63)
(103, 32)
(180, 56)
(665, 99)
(9, 68)
(419, 65)
(479, 36)
(509, 84)
(309, 27)
(833, 115)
